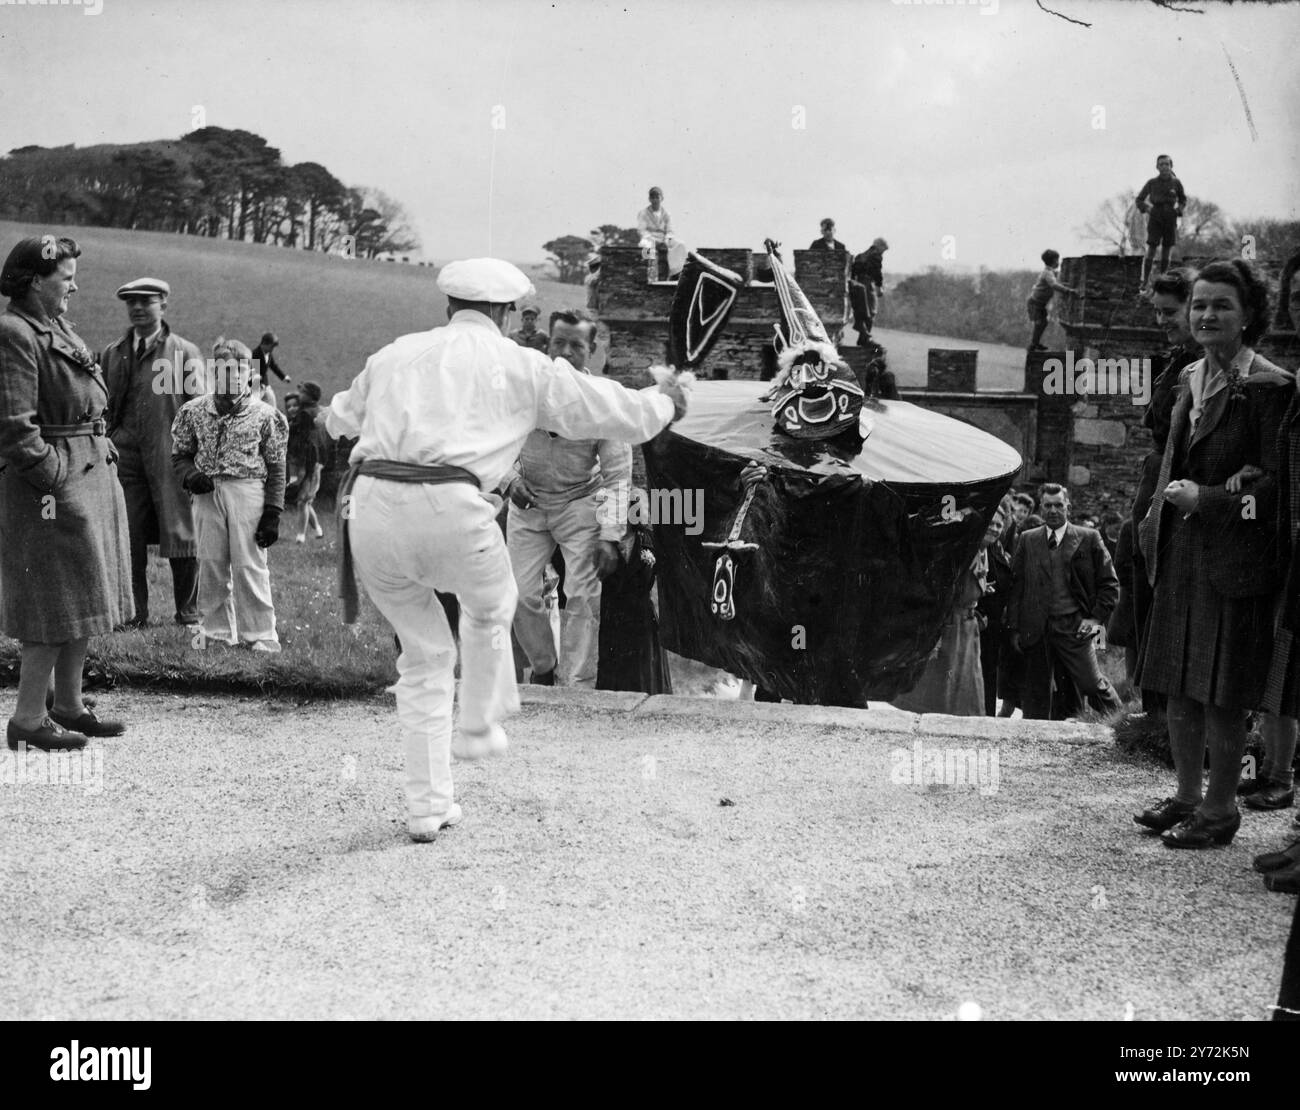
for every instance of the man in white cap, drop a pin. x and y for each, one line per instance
(441, 417)
(147, 372)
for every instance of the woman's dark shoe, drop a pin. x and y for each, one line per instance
(50, 737)
(1201, 832)
(1165, 815)
(1276, 861)
(89, 725)
(1286, 881)
(1271, 796)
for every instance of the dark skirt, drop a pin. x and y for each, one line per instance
(1199, 644)
(631, 657)
(1282, 691)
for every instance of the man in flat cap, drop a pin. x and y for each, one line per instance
(527, 334)
(441, 417)
(148, 372)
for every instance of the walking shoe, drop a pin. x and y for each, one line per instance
(478, 745)
(1249, 786)
(1286, 881)
(50, 737)
(319, 533)
(300, 538)
(1271, 796)
(544, 678)
(271, 647)
(1165, 815)
(1201, 832)
(424, 830)
(1276, 861)
(88, 724)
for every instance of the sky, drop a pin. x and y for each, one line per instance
(965, 135)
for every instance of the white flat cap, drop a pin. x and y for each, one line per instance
(485, 279)
(145, 287)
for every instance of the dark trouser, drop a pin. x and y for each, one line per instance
(185, 585)
(1288, 998)
(864, 310)
(1077, 654)
(990, 651)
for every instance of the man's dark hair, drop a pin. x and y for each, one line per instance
(1159, 156)
(576, 317)
(1177, 282)
(1252, 293)
(1051, 257)
(1052, 488)
(1026, 499)
(32, 258)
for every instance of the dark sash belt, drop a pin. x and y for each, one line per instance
(72, 431)
(385, 470)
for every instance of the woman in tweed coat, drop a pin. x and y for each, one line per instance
(64, 556)
(1210, 546)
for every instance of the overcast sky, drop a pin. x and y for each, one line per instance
(757, 118)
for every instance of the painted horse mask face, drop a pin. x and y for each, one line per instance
(819, 396)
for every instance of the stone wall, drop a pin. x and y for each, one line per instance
(635, 309)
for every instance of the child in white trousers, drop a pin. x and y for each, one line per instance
(229, 450)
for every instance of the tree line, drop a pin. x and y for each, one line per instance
(213, 181)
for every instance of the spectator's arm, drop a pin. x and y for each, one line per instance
(185, 446)
(1105, 579)
(275, 437)
(616, 484)
(1182, 196)
(21, 443)
(1141, 201)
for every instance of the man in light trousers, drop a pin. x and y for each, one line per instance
(441, 416)
(553, 491)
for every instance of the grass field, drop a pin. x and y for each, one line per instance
(329, 314)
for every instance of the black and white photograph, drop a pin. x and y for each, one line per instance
(650, 510)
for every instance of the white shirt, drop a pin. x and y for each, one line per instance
(1059, 533)
(653, 225)
(465, 395)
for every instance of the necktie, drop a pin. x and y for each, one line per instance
(139, 351)
(1051, 541)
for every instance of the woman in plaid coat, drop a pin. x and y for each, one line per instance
(1209, 541)
(64, 559)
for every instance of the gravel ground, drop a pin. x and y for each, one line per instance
(248, 859)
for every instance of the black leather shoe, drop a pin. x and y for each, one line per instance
(1284, 882)
(1165, 815)
(89, 725)
(545, 678)
(1276, 861)
(1249, 786)
(1270, 796)
(1198, 832)
(50, 737)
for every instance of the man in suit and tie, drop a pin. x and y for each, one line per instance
(1063, 588)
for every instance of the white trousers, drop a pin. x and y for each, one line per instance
(234, 579)
(408, 540)
(533, 536)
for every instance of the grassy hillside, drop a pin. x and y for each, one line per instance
(330, 314)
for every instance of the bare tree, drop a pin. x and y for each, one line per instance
(1117, 224)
